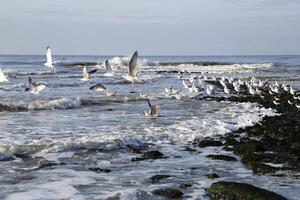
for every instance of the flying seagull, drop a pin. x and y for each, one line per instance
(3, 77)
(152, 112)
(109, 70)
(87, 75)
(133, 70)
(35, 87)
(49, 62)
(101, 88)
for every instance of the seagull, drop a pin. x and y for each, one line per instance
(87, 75)
(290, 102)
(185, 85)
(226, 90)
(297, 106)
(101, 88)
(152, 112)
(133, 70)
(35, 87)
(209, 89)
(109, 70)
(142, 95)
(3, 77)
(292, 91)
(171, 91)
(49, 62)
(276, 103)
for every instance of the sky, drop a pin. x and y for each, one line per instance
(154, 27)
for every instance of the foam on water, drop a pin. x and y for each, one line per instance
(237, 68)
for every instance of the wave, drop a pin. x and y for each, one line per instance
(63, 103)
(244, 68)
(124, 61)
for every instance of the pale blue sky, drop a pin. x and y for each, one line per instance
(154, 27)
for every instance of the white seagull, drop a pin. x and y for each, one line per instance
(87, 75)
(101, 88)
(109, 70)
(49, 62)
(35, 87)
(133, 70)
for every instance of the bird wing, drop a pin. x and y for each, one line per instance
(85, 73)
(133, 68)
(98, 85)
(93, 71)
(108, 67)
(49, 55)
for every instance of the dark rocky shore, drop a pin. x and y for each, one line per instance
(270, 147)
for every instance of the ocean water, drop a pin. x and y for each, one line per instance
(70, 124)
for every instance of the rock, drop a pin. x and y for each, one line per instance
(230, 141)
(189, 149)
(157, 178)
(6, 157)
(99, 170)
(212, 176)
(168, 192)
(149, 155)
(153, 155)
(185, 185)
(207, 142)
(222, 157)
(240, 191)
(48, 163)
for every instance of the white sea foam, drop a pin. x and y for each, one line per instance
(63, 103)
(238, 68)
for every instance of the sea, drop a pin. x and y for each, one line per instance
(78, 130)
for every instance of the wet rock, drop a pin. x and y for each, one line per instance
(149, 155)
(222, 157)
(48, 163)
(230, 141)
(99, 170)
(6, 157)
(212, 176)
(168, 192)
(157, 178)
(240, 191)
(189, 149)
(185, 185)
(115, 197)
(207, 142)
(153, 154)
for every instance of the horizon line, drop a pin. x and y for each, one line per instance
(148, 55)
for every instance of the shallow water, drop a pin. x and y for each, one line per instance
(69, 123)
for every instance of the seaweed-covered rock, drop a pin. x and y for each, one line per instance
(157, 178)
(168, 192)
(185, 185)
(99, 170)
(48, 163)
(207, 142)
(212, 176)
(149, 155)
(222, 157)
(240, 191)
